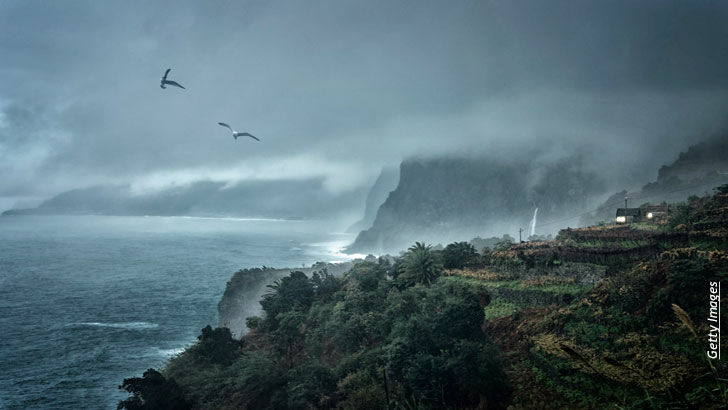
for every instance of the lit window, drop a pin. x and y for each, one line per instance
(621, 219)
(649, 215)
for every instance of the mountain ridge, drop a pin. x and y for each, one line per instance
(448, 199)
(287, 199)
(451, 199)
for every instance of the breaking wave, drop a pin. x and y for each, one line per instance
(122, 325)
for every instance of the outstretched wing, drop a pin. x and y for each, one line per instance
(174, 83)
(226, 126)
(166, 73)
(246, 134)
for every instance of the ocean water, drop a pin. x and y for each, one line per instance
(86, 301)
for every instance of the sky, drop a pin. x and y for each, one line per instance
(338, 89)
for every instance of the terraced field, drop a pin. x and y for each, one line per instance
(611, 316)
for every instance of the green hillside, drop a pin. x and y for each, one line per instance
(601, 317)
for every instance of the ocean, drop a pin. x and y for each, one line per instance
(86, 301)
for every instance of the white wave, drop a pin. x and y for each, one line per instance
(335, 248)
(343, 257)
(170, 352)
(122, 325)
(224, 218)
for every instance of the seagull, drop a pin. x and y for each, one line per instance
(169, 82)
(238, 134)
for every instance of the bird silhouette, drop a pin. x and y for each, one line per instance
(238, 134)
(169, 82)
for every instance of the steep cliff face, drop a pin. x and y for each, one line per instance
(700, 160)
(696, 171)
(458, 199)
(385, 183)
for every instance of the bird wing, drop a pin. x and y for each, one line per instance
(165, 73)
(226, 126)
(174, 83)
(246, 134)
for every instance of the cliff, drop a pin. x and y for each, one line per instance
(695, 172)
(449, 199)
(385, 183)
(246, 288)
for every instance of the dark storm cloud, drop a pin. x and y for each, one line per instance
(338, 88)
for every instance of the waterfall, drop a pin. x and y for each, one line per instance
(532, 231)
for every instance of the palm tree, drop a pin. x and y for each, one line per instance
(458, 255)
(421, 264)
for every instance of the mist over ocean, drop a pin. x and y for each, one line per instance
(86, 301)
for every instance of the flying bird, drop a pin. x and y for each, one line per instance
(169, 82)
(238, 134)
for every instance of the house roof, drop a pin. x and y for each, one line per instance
(629, 212)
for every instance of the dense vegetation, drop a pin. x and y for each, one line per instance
(396, 333)
(638, 338)
(601, 317)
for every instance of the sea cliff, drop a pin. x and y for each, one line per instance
(247, 286)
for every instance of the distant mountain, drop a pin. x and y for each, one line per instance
(265, 199)
(449, 199)
(385, 183)
(695, 172)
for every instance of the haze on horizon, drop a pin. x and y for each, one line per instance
(339, 89)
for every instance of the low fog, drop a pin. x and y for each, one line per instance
(337, 90)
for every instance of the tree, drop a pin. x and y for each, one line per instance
(325, 285)
(420, 265)
(368, 275)
(293, 292)
(218, 345)
(289, 336)
(680, 216)
(439, 355)
(504, 243)
(458, 255)
(310, 386)
(152, 391)
(254, 381)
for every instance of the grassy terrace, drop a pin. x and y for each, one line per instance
(510, 296)
(510, 293)
(526, 285)
(623, 244)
